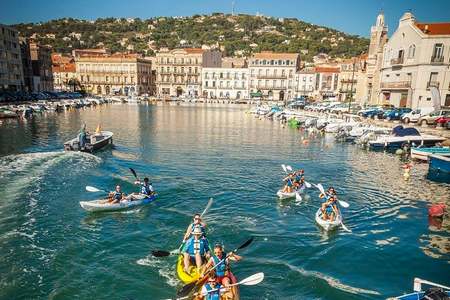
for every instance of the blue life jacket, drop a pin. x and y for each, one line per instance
(197, 246)
(117, 196)
(213, 295)
(222, 267)
(298, 178)
(201, 227)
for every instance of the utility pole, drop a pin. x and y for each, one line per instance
(232, 8)
(351, 86)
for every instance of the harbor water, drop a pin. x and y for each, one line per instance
(50, 248)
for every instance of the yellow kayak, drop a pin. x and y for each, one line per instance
(193, 274)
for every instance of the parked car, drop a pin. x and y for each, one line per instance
(431, 118)
(443, 121)
(371, 113)
(396, 113)
(414, 115)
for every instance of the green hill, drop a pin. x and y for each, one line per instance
(236, 35)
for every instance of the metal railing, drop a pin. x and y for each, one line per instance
(397, 61)
(396, 85)
(437, 59)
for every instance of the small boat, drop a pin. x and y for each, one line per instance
(423, 153)
(102, 204)
(283, 195)
(439, 163)
(326, 224)
(94, 142)
(6, 113)
(418, 293)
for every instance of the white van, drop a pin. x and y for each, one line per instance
(416, 114)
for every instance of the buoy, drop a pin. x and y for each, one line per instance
(305, 142)
(436, 210)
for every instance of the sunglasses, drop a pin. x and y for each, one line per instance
(197, 219)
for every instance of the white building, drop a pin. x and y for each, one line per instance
(305, 82)
(416, 58)
(225, 83)
(272, 75)
(326, 82)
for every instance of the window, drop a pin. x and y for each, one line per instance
(411, 51)
(438, 50)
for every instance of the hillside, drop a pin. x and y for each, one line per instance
(236, 35)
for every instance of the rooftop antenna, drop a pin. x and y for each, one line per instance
(232, 8)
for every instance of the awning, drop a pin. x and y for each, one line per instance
(257, 94)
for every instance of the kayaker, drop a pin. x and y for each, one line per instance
(289, 183)
(329, 207)
(196, 249)
(211, 289)
(222, 263)
(116, 196)
(299, 179)
(146, 187)
(197, 221)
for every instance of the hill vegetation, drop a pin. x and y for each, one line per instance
(236, 35)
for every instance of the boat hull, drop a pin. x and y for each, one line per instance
(439, 163)
(95, 142)
(101, 206)
(423, 153)
(325, 224)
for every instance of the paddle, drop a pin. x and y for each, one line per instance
(185, 290)
(251, 280)
(134, 174)
(94, 189)
(163, 253)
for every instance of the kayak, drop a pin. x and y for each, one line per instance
(283, 195)
(192, 275)
(326, 224)
(103, 205)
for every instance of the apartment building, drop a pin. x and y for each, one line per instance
(64, 72)
(225, 83)
(11, 73)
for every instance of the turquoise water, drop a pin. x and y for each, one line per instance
(51, 249)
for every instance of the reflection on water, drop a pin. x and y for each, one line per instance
(51, 248)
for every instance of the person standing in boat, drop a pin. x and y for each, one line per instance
(82, 136)
(146, 187)
(329, 207)
(196, 249)
(224, 276)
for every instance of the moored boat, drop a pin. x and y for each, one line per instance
(438, 291)
(102, 204)
(327, 224)
(439, 163)
(423, 153)
(94, 142)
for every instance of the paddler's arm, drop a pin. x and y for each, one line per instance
(234, 256)
(187, 234)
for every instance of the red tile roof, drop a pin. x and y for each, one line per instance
(434, 28)
(326, 70)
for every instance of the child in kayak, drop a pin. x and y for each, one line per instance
(116, 196)
(196, 249)
(329, 207)
(288, 188)
(212, 290)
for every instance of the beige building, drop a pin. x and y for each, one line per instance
(117, 74)
(11, 73)
(64, 73)
(416, 60)
(272, 75)
(305, 83)
(225, 83)
(378, 38)
(179, 70)
(351, 75)
(327, 80)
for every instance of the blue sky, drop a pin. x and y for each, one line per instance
(351, 16)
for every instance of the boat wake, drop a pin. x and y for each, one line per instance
(164, 268)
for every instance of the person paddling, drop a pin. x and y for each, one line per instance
(212, 289)
(329, 207)
(299, 179)
(222, 263)
(146, 187)
(116, 196)
(196, 249)
(289, 183)
(197, 221)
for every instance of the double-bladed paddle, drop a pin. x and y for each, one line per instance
(341, 203)
(163, 253)
(94, 189)
(187, 289)
(250, 280)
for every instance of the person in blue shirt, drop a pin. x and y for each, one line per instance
(212, 289)
(329, 207)
(196, 249)
(288, 188)
(146, 187)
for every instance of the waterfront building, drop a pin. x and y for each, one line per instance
(37, 66)
(179, 70)
(351, 75)
(272, 75)
(305, 82)
(225, 83)
(416, 59)
(116, 74)
(11, 73)
(64, 72)
(327, 79)
(378, 39)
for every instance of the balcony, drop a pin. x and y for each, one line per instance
(396, 85)
(437, 60)
(348, 81)
(432, 84)
(397, 61)
(273, 76)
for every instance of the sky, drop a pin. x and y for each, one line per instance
(350, 16)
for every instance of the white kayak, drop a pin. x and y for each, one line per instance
(283, 195)
(326, 224)
(103, 205)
